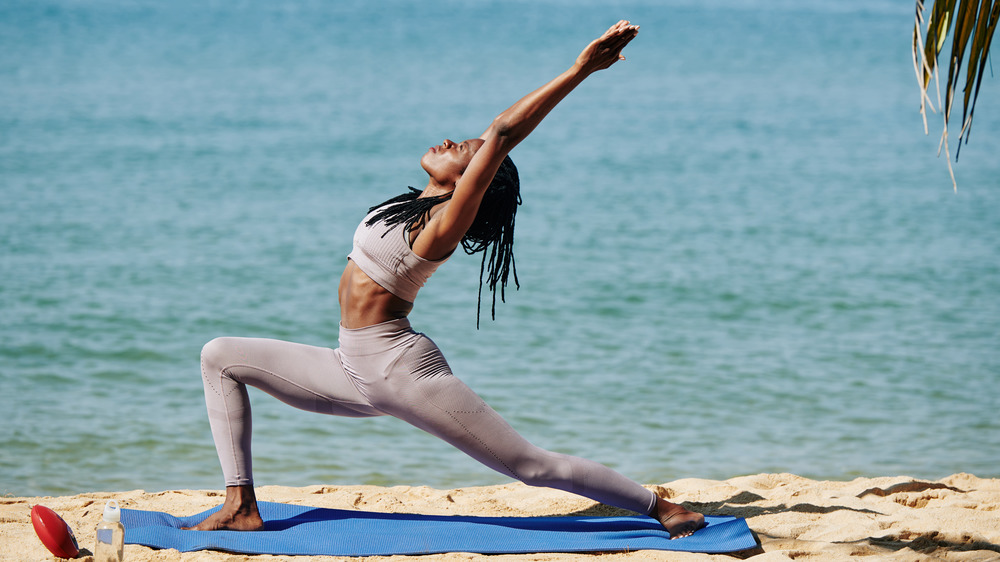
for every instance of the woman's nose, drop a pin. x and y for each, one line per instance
(448, 143)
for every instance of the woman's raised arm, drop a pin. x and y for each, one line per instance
(513, 125)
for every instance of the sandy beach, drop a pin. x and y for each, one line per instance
(794, 518)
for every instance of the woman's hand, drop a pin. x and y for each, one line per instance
(607, 49)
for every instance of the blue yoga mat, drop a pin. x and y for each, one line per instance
(295, 529)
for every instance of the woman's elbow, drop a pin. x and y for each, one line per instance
(501, 126)
(504, 131)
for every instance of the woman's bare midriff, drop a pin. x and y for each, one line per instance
(364, 302)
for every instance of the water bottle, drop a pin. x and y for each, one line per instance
(110, 535)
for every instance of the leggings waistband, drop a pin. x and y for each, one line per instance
(375, 338)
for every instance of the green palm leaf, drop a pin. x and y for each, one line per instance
(971, 24)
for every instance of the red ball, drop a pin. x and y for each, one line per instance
(54, 532)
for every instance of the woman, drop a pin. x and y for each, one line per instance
(385, 368)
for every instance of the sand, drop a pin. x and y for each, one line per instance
(795, 518)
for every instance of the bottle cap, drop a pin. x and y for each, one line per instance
(112, 512)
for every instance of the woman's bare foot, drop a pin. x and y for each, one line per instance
(238, 513)
(679, 522)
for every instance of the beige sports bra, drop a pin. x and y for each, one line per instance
(384, 254)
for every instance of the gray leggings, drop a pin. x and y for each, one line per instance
(387, 369)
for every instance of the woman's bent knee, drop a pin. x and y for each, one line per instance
(217, 353)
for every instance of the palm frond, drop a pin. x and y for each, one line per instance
(971, 24)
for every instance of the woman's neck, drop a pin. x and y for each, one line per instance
(435, 189)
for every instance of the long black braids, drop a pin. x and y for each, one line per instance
(492, 231)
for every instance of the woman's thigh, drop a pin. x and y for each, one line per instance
(419, 388)
(307, 377)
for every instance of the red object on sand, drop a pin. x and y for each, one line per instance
(54, 532)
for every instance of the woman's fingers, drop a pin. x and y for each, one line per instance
(606, 49)
(620, 35)
(622, 27)
(622, 24)
(616, 42)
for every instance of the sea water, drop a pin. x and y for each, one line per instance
(737, 251)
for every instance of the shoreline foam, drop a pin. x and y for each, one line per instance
(884, 518)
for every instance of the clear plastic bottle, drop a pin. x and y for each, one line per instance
(110, 535)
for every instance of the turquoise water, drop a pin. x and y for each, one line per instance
(738, 252)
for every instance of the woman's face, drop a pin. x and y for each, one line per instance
(446, 162)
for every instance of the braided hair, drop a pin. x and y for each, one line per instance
(491, 233)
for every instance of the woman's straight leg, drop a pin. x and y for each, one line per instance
(418, 387)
